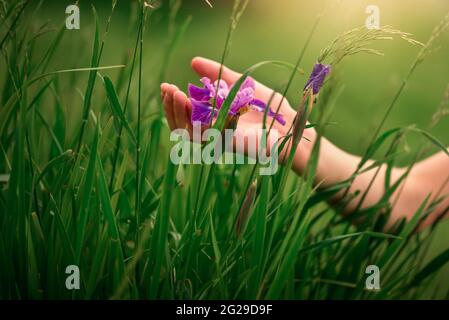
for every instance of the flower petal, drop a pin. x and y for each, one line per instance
(316, 79)
(201, 111)
(207, 84)
(278, 117)
(197, 93)
(220, 101)
(242, 99)
(248, 83)
(244, 96)
(258, 105)
(222, 86)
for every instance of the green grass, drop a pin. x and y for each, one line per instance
(86, 177)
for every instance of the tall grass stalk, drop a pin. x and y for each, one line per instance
(139, 115)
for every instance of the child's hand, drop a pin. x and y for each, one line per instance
(178, 108)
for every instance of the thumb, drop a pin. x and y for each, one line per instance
(209, 68)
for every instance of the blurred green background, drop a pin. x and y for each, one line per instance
(276, 30)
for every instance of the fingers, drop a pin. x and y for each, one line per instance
(209, 68)
(167, 101)
(177, 107)
(180, 105)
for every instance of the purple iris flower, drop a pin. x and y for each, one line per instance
(316, 79)
(202, 100)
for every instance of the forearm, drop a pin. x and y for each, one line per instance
(336, 165)
(428, 178)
